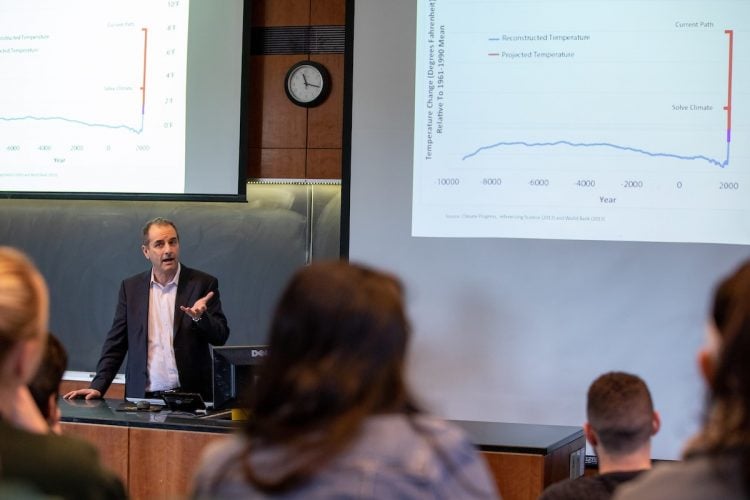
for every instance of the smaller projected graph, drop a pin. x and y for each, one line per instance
(577, 120)
(92, 95)
(111, 126)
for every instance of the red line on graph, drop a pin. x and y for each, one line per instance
(728, 107)
(143, 85)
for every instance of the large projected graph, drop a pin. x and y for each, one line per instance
(92, 95)
(583, 120)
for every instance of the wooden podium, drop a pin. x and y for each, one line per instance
(156, 454)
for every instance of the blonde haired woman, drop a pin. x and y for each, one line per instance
(29, 455)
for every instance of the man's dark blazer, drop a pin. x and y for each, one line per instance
(129, 335)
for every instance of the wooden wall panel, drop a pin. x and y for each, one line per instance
(254, 96)
(276, 127)
(163, 463)
(280, 164)
(110, 440)
(276, 122)
(328, 12)
(325, 122)
(323, 164)
(281, 12)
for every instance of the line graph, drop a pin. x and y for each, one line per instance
(132, 129)
(577, 120)
(74, 89)
(712, 161)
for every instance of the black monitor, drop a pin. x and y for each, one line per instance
(234, 374)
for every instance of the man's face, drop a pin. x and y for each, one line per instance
(163, 250)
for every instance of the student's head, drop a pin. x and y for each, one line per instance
(724, 361)
(729, 307)
(24, 310)
(337, 345)
(45, 385)
(620, 412)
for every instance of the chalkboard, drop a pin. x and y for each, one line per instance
(86, 248)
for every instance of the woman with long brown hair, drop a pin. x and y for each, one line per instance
(331, 415)
(717, 461)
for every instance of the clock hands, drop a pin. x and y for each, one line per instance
(308, 84)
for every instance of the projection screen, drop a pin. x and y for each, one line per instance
(554, 182)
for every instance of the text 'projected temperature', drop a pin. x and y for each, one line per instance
(583, 120)
(92, 94)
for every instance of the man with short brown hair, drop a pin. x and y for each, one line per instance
(621, 421)
(165, 338)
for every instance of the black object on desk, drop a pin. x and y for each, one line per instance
(234, 374)
(183, 401)
(142, 405)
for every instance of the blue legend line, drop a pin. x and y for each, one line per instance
(712, 161)
(78, 122)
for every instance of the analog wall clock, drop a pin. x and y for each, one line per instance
(308, 83)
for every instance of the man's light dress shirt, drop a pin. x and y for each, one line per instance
(162, 367)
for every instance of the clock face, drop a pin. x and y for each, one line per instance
(307, 83)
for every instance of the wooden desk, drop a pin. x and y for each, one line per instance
(525, 458)
(156, 454)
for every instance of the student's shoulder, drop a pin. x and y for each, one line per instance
(61, 451)
(583, 488)
(698, 477)
(58, 464)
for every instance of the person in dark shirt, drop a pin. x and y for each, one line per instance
(621, 421)
(716, 461)
(331, 415)
(164, 343)
(31, 459)
(45, 386)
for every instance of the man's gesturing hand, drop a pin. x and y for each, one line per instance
(198, 308)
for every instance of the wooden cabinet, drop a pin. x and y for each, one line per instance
(157, 455)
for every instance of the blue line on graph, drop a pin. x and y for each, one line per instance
(71, 120)
(712, 161)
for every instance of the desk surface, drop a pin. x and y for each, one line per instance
(519, 438)
(104, 412)
(488, 436)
